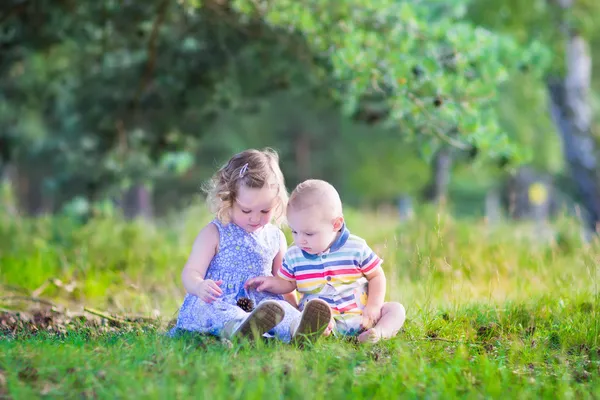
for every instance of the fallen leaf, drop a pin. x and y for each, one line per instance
(28, 374)
(47, 388)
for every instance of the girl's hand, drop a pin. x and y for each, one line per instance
(208, 290)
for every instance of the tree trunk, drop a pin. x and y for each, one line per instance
(493, 207)
(28, 190)
(405, 208)
(137, 202)
(9, 179)
(302, 150)
(442, 164)
(32, 197)
(572, 114)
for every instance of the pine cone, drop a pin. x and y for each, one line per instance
(245, 304)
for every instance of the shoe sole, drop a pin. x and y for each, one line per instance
(315, 319)
(262, 319)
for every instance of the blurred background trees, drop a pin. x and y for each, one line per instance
(127, 105)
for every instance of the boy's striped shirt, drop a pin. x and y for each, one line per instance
(332, 275)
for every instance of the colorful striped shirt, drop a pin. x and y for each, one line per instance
(337, 275)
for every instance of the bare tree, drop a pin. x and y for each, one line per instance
(572, 114)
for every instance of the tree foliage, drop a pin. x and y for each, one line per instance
(114, 93)
(423, 69)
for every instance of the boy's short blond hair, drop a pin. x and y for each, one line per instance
(316, 193)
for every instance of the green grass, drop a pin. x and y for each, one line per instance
(492, 312)
(485, 352)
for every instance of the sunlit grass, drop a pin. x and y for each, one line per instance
(493, 311)
(432, 261)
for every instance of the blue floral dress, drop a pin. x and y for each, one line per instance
(241, 255)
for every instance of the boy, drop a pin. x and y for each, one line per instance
(328, 263)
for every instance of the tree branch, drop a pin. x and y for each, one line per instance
(151, 61)
(14, 10)
(29, 299)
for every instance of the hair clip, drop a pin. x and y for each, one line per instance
(243, 170)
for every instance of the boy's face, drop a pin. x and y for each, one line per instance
(313, 232)
(253, 208)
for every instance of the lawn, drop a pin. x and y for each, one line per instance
(493, 311)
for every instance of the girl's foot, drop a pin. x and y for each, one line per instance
(262, 319)
(372, 335)
(315, 319)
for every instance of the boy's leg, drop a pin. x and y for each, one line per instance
(392, 318)
(283, 331)
(315, 319)
(261, 320)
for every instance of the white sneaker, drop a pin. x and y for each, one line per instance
(263, 318)
(315, 319)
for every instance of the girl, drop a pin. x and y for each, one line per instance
(239, 244)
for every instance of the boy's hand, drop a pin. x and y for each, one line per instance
(329, 328)
(371, 315)
(208, 290)
(260, 283)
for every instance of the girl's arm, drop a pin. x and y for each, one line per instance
(203, 251)
(277, 262)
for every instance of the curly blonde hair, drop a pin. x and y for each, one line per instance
(251, 168)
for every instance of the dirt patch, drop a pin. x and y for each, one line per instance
(15, 323)
(49, 321)
(3, 385)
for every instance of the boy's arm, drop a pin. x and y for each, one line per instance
(275, 284)
(376, 285)
(290, 296)
(371, 269)
(375, 298)
(271, 284)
